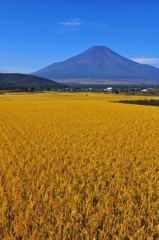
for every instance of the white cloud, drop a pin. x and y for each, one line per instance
(146, 60)
(75, 22)
(14, 70)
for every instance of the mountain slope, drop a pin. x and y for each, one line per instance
(99, 63)
(16, 80)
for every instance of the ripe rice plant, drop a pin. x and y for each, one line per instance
(78, 167)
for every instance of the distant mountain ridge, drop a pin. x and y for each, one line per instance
(99, 62)
(17, 80)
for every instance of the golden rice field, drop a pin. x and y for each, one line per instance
(78, 167)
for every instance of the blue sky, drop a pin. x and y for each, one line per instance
(37, 33)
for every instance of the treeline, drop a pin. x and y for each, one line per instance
(150, 102)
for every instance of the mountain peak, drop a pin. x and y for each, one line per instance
(98, 48)
(101, 49)
(99, 62)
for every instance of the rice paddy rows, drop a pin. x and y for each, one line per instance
(78, 167)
